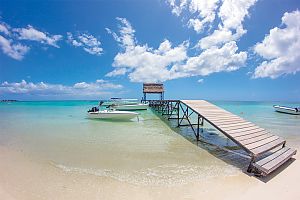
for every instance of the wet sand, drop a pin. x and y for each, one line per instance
(21, 177)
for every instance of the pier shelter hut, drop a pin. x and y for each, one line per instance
(153, 88)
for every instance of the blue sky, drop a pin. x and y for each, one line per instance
(215, 50)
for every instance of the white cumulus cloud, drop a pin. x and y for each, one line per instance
(117, 72)
(219, 37)
(201, 80)
(146, 64)
(142, 62)
(177, 8)
(212, 60)
(89, 43)
(126, 38)
(15, 51)
(232, 14)
(4, 28)
(280, 48)
(229, 15)
(12, 39)
(204, 11)
(93, 89)
(30, 33)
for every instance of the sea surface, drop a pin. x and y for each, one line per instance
(148, 150)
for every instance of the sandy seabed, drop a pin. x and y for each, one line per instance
(23, 178)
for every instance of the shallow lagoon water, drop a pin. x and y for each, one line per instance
(148, 151)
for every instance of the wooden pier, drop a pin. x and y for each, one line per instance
(266, 150)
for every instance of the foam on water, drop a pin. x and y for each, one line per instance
(165, 175)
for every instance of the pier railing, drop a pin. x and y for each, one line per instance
(175, 109)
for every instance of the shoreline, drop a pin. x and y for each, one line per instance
(24, 178)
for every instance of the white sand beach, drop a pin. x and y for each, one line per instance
(23, 178)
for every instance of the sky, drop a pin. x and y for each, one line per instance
(245, 50)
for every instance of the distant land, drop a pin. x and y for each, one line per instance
(8, 100)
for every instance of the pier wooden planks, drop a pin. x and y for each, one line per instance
(241, 131)
(252, 138)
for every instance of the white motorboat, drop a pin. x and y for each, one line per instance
(119, 101)
(112, 114)
(139, 106)
(288, 110)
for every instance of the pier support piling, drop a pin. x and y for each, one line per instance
(173, 109)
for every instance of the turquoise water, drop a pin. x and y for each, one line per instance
(150, 150)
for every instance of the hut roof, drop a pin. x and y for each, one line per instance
(153, 87)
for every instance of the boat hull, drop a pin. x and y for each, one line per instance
(132, 107)
(118, 115)
(287, 110)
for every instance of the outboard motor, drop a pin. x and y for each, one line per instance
(94, 109)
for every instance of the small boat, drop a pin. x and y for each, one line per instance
(95, 113)
(139, 106)
(288, 110)
(119, 101)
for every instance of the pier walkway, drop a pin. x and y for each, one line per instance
(256, 141)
